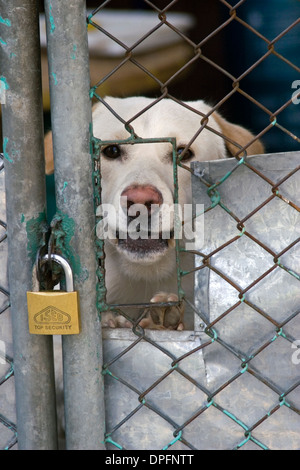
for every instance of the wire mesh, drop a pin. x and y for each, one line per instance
(171, 390)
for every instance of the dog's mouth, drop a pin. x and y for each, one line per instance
(145, 245)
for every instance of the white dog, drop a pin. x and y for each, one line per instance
(138, 185)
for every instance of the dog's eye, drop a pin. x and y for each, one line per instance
(112, 151)
(187, 154)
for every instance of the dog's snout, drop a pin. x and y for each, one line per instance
(146, 195)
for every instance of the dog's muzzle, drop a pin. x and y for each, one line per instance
(141, 204)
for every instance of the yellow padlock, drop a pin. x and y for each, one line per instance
(55, 312)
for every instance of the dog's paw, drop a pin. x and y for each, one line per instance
(113, 320)
(164, 318)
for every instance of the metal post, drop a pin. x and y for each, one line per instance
(21, 98)
(71, 125)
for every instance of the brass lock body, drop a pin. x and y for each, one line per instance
(55, 312)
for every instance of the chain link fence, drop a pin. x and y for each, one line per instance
(205, 388)
(231, 380)
(8, 414)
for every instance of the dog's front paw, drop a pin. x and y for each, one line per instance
(164, 318)
(113, 320)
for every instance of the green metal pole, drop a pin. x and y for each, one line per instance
(71, 117)
(22, 116)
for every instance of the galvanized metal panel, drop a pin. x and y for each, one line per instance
(237, 384)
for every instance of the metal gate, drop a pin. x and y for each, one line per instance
(232, 380)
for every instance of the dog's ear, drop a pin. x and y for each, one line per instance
(49, 164)
(240, 135)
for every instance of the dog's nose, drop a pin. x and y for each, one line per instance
(146, 195)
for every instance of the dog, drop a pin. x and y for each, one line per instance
(137, 184)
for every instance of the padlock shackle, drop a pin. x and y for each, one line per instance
(66, 268)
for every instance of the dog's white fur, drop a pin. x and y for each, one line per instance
(132, 278)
